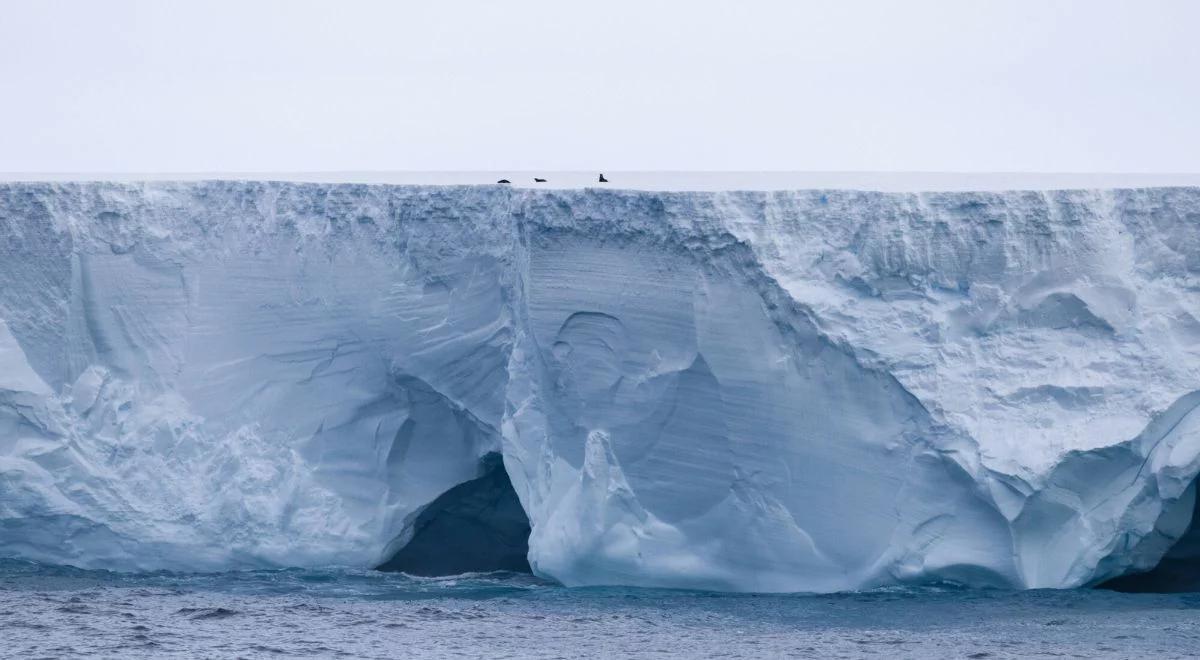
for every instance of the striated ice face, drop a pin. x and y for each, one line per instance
(740, 391)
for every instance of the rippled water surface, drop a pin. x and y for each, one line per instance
(60, 612)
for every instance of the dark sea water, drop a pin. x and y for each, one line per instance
(64, 612)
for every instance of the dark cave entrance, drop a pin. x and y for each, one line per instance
(477, 526)
(1177, 572)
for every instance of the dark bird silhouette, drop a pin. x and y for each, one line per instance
(504, 181)
(537, 180)
(602, 179)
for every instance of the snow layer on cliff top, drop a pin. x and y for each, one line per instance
(679, 181)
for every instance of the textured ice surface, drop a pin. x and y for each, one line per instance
(748, 391)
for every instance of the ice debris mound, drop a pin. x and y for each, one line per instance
(795, 391)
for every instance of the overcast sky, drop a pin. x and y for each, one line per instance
(1037, 85)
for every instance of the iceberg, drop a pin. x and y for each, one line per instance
(749, 391)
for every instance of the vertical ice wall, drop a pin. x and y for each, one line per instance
(748, 391)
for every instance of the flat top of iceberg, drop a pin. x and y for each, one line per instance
(679, 181)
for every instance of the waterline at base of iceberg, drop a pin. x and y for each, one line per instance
(47, 610)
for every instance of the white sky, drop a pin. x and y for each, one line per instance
(1013, 85)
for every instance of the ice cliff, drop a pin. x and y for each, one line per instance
(744, 391)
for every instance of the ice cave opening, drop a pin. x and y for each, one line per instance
(1177, 572)
(477, 526)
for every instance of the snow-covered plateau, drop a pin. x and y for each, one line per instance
(750, 391)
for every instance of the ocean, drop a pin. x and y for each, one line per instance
(60, 612)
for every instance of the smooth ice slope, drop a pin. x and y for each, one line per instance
(744, 391)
